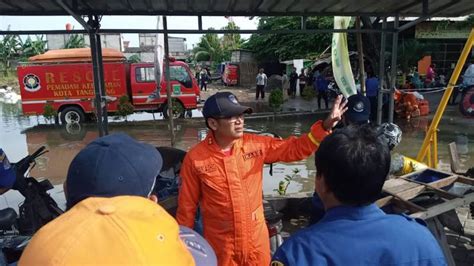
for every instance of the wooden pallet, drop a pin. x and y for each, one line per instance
(400, 192)
(401, 195)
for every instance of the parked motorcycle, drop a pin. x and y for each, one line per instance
(274, 223)
(36, 210)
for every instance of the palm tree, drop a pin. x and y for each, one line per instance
(209, 48)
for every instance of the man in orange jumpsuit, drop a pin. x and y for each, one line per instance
(223, 174)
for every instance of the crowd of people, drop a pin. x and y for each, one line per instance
(113, 217)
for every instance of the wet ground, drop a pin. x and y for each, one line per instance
(20, 135)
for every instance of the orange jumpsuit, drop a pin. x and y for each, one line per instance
(229, 192)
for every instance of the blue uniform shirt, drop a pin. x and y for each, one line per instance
(372, 86)
(361, 236)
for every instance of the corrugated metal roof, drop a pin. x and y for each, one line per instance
(446, 8)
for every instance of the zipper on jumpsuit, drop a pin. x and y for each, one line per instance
(234, 183)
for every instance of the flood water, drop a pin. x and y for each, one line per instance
(20, 135)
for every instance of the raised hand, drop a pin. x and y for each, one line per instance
(338, 109)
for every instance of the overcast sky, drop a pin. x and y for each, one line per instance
(127, 22)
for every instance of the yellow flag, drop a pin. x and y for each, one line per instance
(341, 65)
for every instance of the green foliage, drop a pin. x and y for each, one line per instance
(10, 49)
(283, 185)
(32, 47)
(134, 58)
(276, 98)
(308, 93)
(124, 107)
(411, 51)
(230, 41)
(270, 47)
(202, 56)
(75, 41)
(215, 49)
(49, 112)
(210, 45)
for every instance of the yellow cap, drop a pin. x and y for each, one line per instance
(124, 230)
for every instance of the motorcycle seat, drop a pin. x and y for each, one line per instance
(7, 218)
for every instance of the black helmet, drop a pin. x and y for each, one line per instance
(391, 134)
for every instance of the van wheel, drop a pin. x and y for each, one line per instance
(178, 110)
(72, 114)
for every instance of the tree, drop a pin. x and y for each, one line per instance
(230, 41)
(209, 48)
(31, 48)
(134, 58)
(410, 52)
(10, 48)
(270, 47)
(75, 41)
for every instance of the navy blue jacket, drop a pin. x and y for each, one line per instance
(365, 235)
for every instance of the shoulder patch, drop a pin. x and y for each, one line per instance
(276, 263)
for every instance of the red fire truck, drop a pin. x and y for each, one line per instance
(64, 80)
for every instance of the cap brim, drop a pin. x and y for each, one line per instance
(236, 110)
(199, 248)
(357, 118)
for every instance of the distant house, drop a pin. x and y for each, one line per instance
(447, 38)
(147, 42)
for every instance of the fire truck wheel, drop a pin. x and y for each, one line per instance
(72, 114)
(178, 110)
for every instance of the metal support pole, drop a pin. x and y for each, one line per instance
(168, 82)
(393, 80)
(97, 66)
(422, 154)
(200, 22)
(360, 52)
(105, 117)
(383, 40)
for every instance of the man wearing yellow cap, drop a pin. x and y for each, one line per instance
(112, 215)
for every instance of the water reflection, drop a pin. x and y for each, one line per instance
(20, 135)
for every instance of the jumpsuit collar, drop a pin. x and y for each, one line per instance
(352, 212)
(212, 145)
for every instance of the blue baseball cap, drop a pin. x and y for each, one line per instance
(222, 105)
(113, 165)
(358, 109)
(7, 174)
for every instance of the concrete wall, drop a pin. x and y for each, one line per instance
(242, 56)
(58, 41)
(176, 44)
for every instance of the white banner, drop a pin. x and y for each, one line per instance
(341, 65)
